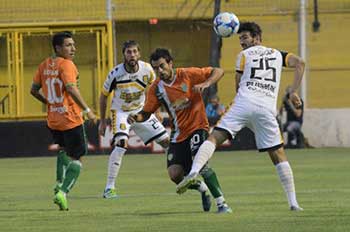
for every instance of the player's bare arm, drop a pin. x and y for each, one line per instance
(139, 117)
(215, 76)
(299, 65)
(103, 107)
(238, 79)
(159, 115)
(74, 92)
(35, 91)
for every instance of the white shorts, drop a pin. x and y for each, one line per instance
(260, 120)
(149, 130)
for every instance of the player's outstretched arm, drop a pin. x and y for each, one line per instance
(214, 77)
(298, 64)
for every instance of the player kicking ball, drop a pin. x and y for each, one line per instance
(258, 75)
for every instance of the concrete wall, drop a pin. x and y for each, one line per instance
(327, 127)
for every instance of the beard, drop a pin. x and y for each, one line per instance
(132, 63)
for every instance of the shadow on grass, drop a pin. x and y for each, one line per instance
(28, 210)
(150, 214)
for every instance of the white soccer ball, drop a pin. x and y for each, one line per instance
(226, 24)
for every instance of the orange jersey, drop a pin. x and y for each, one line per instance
(185, 107)
(53, 75)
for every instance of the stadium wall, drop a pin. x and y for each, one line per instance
(24, 46)
(184, 27)
(327, 127)
(32, 138)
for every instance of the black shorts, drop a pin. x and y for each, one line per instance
(73, 141)
(183, 152)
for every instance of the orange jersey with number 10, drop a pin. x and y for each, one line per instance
(53, 75)
(185, 107)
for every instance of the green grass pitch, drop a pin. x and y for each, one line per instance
(148, 201)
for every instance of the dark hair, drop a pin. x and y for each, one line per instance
(252, 27)
(58, 38)
(130, 43)
(161, 53)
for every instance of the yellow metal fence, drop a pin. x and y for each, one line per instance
(184, 26)
(25, 46)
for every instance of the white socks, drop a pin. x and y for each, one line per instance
(202, 187)
(220, 200)
(285, 173)
(114, 163)
(205, 151)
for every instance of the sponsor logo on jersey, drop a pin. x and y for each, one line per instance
(180, 104)
(130, 97)
(145, 78)
(184, 87)
(260, 85)
(133, 77)
(58, 109)
(122, 126)
(170, 156)
(131, 107)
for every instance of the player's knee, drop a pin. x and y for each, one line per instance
(122, 143)
(78, 163)
(278, 155)
(175, 174)
(164, 143)
(218, 137)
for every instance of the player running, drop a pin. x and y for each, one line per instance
(129, 81)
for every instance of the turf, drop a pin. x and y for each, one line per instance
(148, 201)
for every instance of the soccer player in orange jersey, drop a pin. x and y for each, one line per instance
(57, 77)
(179, 91)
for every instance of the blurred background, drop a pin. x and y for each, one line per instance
(317, 30)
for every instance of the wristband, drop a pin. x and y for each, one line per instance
(87, 110)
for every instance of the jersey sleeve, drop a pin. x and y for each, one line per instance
(152, 103)
(109, 84)
(198, 75)
(285, 57)
(69, 73)
(240, 62)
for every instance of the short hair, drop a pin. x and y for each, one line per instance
(130, 43)
(161, 53)
(58, 38)
(252, 27)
